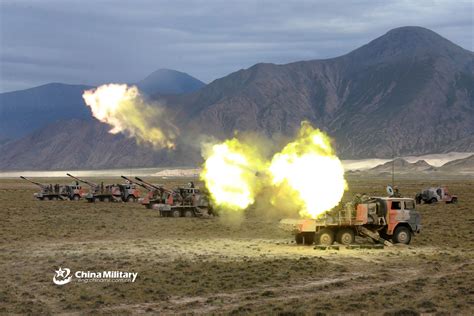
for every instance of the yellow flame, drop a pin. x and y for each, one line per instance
(309, 173)
(125, 110)
(230, 174)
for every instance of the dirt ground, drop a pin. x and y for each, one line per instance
(207, 266)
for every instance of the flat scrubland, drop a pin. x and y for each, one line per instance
(193, 265)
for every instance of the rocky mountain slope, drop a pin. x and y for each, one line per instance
(82, 144)
(409, 91)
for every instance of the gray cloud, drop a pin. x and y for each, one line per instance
(92, 42)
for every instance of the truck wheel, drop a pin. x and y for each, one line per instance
(188, 213)
(131, 198)
(176, 213)
(401, 235)
(76, 197)
(345, 236)
(433, 200)
(299, 238)
(54, 198)
(106, 199)
(325, 237)
(454, 200)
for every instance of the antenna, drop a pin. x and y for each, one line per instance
(393, 171)
(393, 166)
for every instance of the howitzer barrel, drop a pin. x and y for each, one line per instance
(157, 187)
(37, 183)
(149, 184)
(92, 184)
(128, 179)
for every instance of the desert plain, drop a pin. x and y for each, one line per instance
(221, 266)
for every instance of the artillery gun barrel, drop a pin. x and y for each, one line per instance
(37, 183)
(147, 183)
(157, 187)
(92, 184)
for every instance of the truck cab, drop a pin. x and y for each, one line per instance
(73, 191)
(129, 192)
(402, 219)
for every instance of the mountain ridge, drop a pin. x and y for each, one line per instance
(168, 81)
(337, 94)
(375, 101)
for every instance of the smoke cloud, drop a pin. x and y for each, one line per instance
(127, 112)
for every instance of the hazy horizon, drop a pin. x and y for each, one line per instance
(436, 160)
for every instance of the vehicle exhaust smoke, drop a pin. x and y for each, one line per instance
(123, 108)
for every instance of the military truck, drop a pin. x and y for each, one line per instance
(48, 191)
(73, 191)
(434, 195)
(148, 187)
(156, 193)
(385, 220)
(110, 192)
(180, 202)
(57, 191)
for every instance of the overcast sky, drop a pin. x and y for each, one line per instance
(93, 42)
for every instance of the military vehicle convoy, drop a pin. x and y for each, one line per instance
(434, 195)
(385, 220)
(179, 202)
(58, 192)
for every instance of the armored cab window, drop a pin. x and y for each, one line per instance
(409, 205)
(396, 205)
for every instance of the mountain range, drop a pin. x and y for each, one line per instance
(25, 111)
(22, 112)
(408, 92)
(402, 166)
